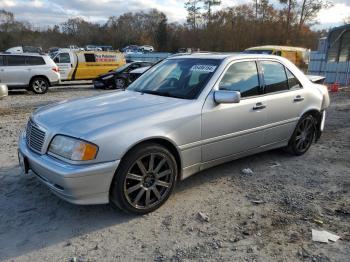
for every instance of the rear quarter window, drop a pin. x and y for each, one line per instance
(35, 60)
(293, 82)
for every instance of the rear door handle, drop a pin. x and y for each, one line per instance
(259, 106)
(298, 98)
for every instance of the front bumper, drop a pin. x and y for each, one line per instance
(78, 184)
(98, 84)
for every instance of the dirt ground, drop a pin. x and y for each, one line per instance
(267, 216)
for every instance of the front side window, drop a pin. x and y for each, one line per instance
(15, 60)
(181, 77)
(242, 77)
(274, 76)
(1, 60)
(62, 58)
(90, 58)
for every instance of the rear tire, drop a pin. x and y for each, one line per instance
(144, 180)
(303, 136)
(39, 85)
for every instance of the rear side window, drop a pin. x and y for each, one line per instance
(35, 60)
(242, 77)
(90, 58)
(274, 76)
(293, 82)
(1, 60)
(15, 60)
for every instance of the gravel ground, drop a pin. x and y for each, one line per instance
(266, 216)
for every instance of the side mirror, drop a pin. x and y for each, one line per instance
(3, 91)
(56, 60)
(227, 97)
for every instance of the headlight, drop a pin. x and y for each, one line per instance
(107, 77)
(73, 148)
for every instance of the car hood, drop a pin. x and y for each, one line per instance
(80, 117)
(107, 74)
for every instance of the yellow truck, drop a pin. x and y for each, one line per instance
(86, 65)
(298, 55)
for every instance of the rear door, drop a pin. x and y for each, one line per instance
(285, 101)
(64, 62)
(36, 66)
(15, 72)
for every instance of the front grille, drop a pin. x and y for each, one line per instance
(35, 137)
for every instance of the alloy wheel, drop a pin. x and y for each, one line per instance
(39, 86)
(120, 83)
(304, 134)
(148, 181)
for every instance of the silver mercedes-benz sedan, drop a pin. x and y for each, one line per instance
(184, 115)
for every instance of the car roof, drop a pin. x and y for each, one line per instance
(277, 47)
(222, 56)
(23, 54)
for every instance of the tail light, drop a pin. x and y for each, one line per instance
(56, 69)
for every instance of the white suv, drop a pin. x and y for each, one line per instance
(29, 71)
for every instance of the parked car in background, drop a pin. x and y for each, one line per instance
(24, 49)
(118, 78)
(3, 91)
(184, 115)
(136, 73)
(28, 71)
(86, 65)
(146, 48)
(130, 48)
(298, 55)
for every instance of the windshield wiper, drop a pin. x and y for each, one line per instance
(167, 94)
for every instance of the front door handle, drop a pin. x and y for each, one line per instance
(298, 98)
(259, 106)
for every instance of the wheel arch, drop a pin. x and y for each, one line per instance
(165, 142)
(317, 114)
(39, 76)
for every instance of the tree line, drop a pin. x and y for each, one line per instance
(208, 27)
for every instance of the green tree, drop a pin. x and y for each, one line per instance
(193, 12)
(208, 5)
(309, 9)
(162, 34)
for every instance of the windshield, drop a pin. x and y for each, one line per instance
(122, 68)
(53, 54)
(181, 78)
(263, 52)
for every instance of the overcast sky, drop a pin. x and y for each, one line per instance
(42, 13)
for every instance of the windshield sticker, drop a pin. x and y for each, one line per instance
(203, 68)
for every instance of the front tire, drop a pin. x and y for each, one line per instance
(303, 136)
(145, 179)
(39, 85)
(120, 83)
